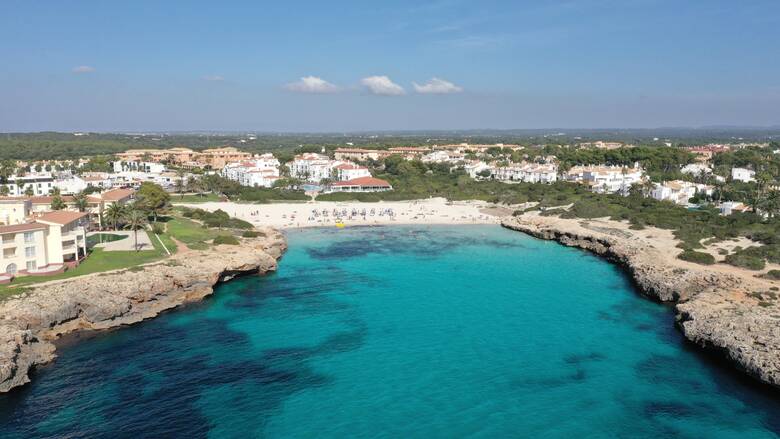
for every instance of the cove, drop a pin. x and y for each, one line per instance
(470, 331)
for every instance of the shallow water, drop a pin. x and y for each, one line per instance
(463, 331)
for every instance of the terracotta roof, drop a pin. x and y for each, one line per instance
(363, 181)
(61, 217)
(116, 194)
(46, 199)
(350, 166)
(14, 228)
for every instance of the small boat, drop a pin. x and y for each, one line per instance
(339, 225)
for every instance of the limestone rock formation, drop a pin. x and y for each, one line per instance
(30, 322)
(720, 310)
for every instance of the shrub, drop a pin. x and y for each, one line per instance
(697, 257)
(226, 239)
(773, 274)
(746, 261)
(158, 229)
(252, 234)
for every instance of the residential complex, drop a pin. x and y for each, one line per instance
(606, 179)
(261, 171)
(214, 158)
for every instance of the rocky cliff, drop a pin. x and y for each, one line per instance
(29, 323)
(732, 313)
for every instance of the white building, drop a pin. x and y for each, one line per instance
(526, 172)
(44, 245)
(39, 183)
(70, 184)
(473, 168)
(443, 156)
(729, 207)
(351, 171)
(313, 167)
(101, 180)
(262, 171)
(606, 179)
(679, 191)
(363, 184)
(138, 166)
(696, 169)
(743, 174)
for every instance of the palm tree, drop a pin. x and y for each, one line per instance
(180, 173)
(136, 219)
(81, 202)
(115, 213)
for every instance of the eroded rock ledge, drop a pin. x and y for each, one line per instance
(30, 322)
(716, 307)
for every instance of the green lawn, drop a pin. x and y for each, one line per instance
(188, 231)
(98, 260)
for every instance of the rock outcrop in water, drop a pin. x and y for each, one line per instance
(29, 323)
(723, 309)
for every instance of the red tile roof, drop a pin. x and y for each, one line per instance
(363, 181)
(28, 227)
(61, 217)
(45, 199)
(116, 194)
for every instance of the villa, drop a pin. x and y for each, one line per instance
(679, 192)
(606, 179)
(351, 171)
(743, 174)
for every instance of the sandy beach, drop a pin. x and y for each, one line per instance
(327, 214)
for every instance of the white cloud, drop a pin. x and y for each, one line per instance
(437, 86)
(83, 69)
(312, 84)
(382, 85)
(213, 78)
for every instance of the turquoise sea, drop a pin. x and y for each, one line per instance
(400, 332)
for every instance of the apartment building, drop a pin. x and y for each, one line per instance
(43, 246)
(261, 171)
(39, 183)
(526, 172)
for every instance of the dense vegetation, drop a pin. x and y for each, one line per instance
(236, 192)
(217, 219)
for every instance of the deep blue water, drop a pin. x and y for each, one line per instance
(471, 331)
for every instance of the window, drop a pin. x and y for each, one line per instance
(31, 265)
(29, 252)
(29, 237)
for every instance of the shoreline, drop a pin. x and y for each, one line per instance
(33, 322)
(713, 307)
(300, 216)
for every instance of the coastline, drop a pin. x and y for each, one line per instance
(716, 308)
(31, 322)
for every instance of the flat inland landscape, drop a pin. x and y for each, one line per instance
(403, 331)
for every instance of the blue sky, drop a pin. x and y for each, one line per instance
(238, 65)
